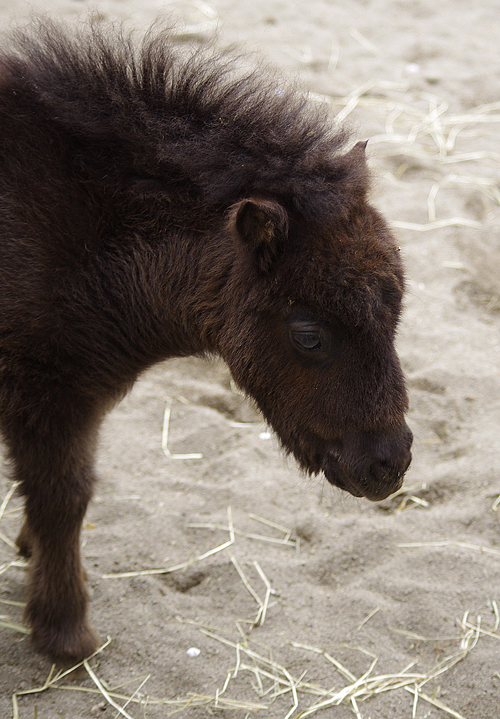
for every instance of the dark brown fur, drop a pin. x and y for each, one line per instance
(154, 206)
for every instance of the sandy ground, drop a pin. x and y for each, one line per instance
(412, 582)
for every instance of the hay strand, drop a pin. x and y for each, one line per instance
(182, 565)
(452, 543)
(7, 499)
(164, 437)
(357, 689)
(286, 540)
(103, 691)
(6, 540)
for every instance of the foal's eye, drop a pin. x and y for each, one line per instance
(314, 341)
(309, 340)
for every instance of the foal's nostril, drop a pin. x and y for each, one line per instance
(382, 471)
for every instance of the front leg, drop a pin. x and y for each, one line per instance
(53, 462)
(57, 603)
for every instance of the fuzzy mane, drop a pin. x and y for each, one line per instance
(197, 123)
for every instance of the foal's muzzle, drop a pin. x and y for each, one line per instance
(370, 465)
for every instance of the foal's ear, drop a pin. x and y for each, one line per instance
(262, 226)
(358, 152)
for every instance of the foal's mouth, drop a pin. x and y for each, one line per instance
(376, 482)
(336, 475)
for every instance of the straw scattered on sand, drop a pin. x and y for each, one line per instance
(271, 682)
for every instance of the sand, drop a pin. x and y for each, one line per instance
(315, 584)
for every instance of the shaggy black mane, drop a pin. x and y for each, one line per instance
(195, 123)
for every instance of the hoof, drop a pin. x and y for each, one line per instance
(69, 645)
(23, 542)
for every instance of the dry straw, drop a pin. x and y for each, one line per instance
(273, 682)
(286, 539)
(421, 131)
(409, 498)
(7, 499)
(165, 433)
(3, 509)
(5, 621)
(262, 603)
(452, 543)
(188, 562)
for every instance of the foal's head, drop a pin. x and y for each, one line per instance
(316, 303)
